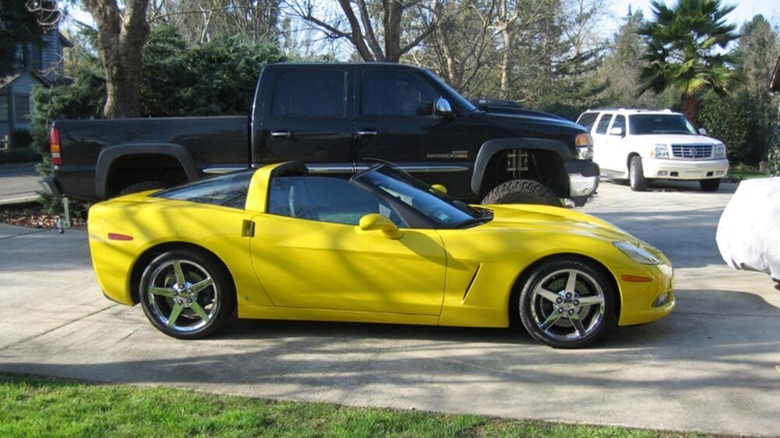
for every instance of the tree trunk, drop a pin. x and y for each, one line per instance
(121, 39)
(689, 108)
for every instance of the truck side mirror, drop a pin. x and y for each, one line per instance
(443, 107)
(616, 131)
(774, 83)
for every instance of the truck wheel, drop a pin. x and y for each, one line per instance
(142, 187)
(522, 191)
(709, 185)
(636, 175)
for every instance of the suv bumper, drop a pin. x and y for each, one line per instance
(50, 186)
(684, 170)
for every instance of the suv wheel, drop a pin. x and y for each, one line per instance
(636, 175)
(522, 191)
(709, 185)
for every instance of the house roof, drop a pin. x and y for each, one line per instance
(10, 79)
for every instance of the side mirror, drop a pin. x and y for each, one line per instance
(443, 108)
(774, 83)
(377, 222)
(439, 188)
(616, 131)
(702, 131)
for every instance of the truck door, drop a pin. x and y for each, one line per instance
(395, 122)
(306, 116)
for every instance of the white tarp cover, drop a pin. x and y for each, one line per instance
(749, 229)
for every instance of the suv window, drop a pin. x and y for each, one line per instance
(587, 120)
(646, 124)
(293, 93)
(390, 93)
(620, 122)
(601, 128)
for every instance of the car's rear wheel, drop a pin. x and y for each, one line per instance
(636, 175)
(187, 294)
(522, 191)
(709, 185)
(567, 302)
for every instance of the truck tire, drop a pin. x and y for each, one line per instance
(522, 191)
(709, 185)
(141, 187)
(636, 175)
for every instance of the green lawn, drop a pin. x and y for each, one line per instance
(49, 407)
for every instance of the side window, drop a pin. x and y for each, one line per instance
(294, 92)
(389, 93)
(326, 200)
(620, 122)
(603, 125)
(587, 120)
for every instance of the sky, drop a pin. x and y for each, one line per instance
(745, 10)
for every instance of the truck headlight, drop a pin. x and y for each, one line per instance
(660, 151)
(719, 151)
(584, 144)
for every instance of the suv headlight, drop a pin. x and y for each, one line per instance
(719, 151)
(660, 151)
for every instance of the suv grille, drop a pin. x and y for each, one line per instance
(692, 151)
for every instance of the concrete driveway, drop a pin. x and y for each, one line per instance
(709, 367)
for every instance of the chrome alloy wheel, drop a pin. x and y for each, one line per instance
(181, 295)
(567, 305)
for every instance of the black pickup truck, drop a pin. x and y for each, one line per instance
(337, 118)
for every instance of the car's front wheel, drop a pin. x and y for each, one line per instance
(567, 302)
(187, 294)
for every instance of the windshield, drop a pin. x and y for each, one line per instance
(649, 124)
(444, 211)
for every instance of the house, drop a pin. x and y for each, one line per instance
(37, 64)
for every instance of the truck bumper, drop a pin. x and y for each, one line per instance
(50, 186)
(583, 178)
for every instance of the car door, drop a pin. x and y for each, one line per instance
(307, 116)
(606, 151)
(309, 253)
(396, 122)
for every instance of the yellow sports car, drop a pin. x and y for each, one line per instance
(280, 243)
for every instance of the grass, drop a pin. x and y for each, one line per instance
(50, 407)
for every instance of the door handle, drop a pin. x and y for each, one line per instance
(281, 134)
(366, 133)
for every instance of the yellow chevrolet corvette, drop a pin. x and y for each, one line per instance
(279, 242)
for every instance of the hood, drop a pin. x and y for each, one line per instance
(677, 139)
(548, 218)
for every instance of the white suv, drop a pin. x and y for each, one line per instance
(643, 145)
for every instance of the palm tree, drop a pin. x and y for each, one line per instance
(687, 51)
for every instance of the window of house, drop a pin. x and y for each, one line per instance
(23, 107)
(4, 110)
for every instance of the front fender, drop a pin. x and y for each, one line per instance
(491, 147)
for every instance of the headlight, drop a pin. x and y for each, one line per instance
(660, 151)
(584, 144)
(637, 254)
(719, 151)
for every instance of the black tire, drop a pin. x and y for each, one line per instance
(567, 303)
(522, 191)
(709, 185)
(636, 175)
(142, 187)
(187, 294)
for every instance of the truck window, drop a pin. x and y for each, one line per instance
(294, 93)
(391, 93)
(620, 122)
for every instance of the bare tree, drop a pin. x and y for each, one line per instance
(122, 34)
(379, 30)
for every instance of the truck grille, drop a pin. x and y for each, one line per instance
(692, 151)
